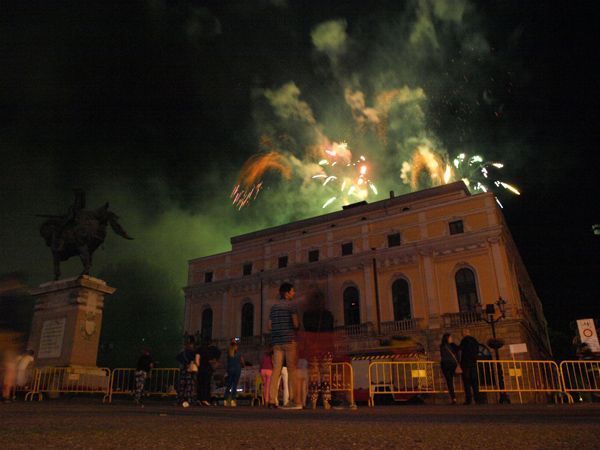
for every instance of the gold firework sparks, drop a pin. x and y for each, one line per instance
(250, 182)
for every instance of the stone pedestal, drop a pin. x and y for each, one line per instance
(67, 320)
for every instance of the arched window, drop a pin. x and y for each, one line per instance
(206, 330)
(351, 306)
(466, 290)
(401, 299)
(248, 320)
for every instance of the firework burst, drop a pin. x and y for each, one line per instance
(250, 181)
(345, 178)
(481, 175)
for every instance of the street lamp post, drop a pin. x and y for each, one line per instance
(489, 316)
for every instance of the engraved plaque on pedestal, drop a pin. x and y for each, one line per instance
(67, 320)
(51, 339)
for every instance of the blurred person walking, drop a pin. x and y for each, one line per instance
(302, 379)
(24, 369)
(318, 347)
(284, 386)
(235, 362)
(9, 363)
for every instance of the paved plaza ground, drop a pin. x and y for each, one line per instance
(86, 423)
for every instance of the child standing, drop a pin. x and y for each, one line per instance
(234, 370)
(266, 370)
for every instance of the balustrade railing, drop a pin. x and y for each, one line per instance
(399, 326)
(357, 330)
(460, 319)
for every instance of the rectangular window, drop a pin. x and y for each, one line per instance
(208, 277)
(247, 269)
(394, 240)
(282, 261)
(456, 227)
(313, 255)
(347, 248)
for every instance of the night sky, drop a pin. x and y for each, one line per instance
(155, 105)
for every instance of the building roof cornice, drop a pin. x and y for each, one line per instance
(360, 209)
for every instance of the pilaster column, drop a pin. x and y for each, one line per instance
(370, 312)
(225, 317)
(431, 294)
(499, 270)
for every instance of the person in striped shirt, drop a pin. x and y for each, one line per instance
(283, 323)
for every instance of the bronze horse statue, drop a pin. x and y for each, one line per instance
(79, 233)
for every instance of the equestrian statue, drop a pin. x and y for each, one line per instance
(79, 232)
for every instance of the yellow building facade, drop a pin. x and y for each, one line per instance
(413, 266)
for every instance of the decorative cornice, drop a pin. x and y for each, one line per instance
(387, 257)
(401, 260)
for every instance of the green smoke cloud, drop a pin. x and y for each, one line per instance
(287, 104)
(330, 37)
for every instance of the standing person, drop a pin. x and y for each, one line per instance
(235, 362)
(209, 356)
(24, 368)
(449, 363)
(266, 370)
(144, 366)
(283, 323)
(189, 361)
(469, 348)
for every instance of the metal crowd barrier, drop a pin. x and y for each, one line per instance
(384, 378)
(402, 377)
(76, 380)
(517, 376)
(248, 385)
(342, 380)
(580, 377)
(162, 382)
